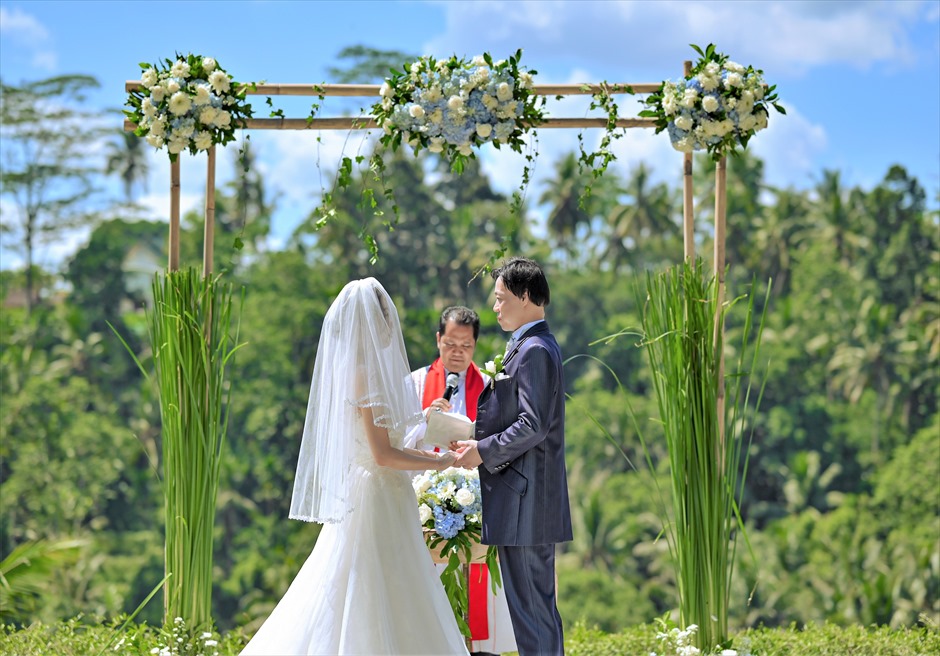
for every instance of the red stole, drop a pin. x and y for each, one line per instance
(434, 384)
(436, 380)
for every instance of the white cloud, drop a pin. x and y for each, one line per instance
(27, 32)
(649, 37)
(790, 147)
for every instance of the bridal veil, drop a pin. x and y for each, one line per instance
(361, 362)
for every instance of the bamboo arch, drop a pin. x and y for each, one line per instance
(358, 123)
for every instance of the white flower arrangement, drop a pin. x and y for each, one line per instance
(718, 107)
(189, 103)
(449, 106)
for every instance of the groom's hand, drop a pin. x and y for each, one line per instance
(468, 456)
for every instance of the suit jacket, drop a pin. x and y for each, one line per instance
(520, 429)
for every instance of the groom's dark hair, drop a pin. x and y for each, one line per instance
(521, 275)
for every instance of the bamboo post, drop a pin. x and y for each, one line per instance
(720, 209)
(209, 228)
(688, 203)
(174, 246)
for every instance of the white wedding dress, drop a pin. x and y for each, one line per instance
(369, 587)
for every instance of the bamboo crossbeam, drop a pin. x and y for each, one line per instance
(363, 90)
(367, 123)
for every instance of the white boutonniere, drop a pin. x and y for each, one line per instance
(494, 369)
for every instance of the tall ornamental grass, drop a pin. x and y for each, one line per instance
(193, 341)
(683, 340)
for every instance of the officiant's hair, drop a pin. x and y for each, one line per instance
(462, 316)
(521, 275)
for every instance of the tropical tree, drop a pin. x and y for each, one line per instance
(127, 158)
(647, 214)
(45, 168)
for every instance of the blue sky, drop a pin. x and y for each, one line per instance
(860, 80)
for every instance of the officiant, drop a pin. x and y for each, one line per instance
(452, 383)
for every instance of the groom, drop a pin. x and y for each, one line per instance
(520, 451)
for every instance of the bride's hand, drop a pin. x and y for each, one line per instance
(445, 459)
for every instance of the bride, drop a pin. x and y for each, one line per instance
(368, 586)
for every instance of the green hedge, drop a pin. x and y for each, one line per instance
(77, 637)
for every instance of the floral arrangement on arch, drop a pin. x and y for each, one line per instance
(718, 107)
(450, 508)
(449, 106)
(189, 103)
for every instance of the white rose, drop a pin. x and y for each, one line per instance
(177, 146)
(223, 119)
(202, 95)
(734, 67)
(180, 69)
(708, 82)
(504, 92)
(207, 115)
(525, 79)
(155, 140)
(385, 90)
(437, 116)
(421, 483)
(464, 497)
(172, 86)
(157, 93)
(208, 64)
(489, 102)
(684, 122)
(455, 102)
(712, 68)
(747, 123)
(148, 108)
(761, 120)
(689, 98)
(685, 145)
(465, 149)
(180, 103)
(758, 91)
(484, 130)
(669, 104)
(436, 145)
(219, 81)
(203, 140)
(490, 365)
(734, 80)
(416, 67)
(710, 104)
(158, 128)
(416, 111)
(425, 513)
(149, 78)
(434, 94)
(478, 61)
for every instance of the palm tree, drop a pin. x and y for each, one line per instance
(567, 215)
(127, 157)
(648, 214)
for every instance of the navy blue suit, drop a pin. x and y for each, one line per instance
(520, 429)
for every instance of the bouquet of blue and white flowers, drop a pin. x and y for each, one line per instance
(449, 106)
(719, 106)
(190, 103)
(451, 509)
